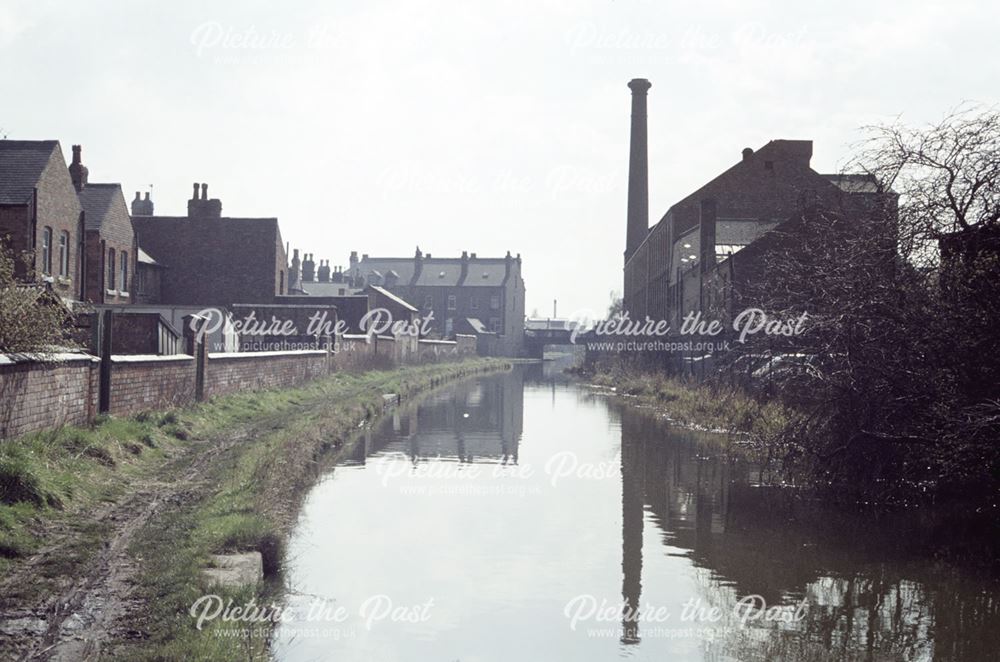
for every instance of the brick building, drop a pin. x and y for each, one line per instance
(206, 258)
(109, 241)
(41, 217)
(701, 235)
(468, 287)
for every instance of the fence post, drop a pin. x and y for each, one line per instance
(104, 393)
(196, 347)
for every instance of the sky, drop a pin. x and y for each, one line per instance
(380, 126)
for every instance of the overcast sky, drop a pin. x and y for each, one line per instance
(479, 126)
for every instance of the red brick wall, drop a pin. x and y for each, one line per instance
(39, 395)
(59, 208)
(155, 383)
(255, 371)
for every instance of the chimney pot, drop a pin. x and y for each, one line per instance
(747, 153)
(76, 154)
(147, 195)
(194, 196)
(204, 191)
(137, 196)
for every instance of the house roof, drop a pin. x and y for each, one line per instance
(97, 201)
(146, 258)
(854, 183)
(402, 266)
(437, 271)
(477, 325)
(318, 288)
(21, 165)
(392, 297)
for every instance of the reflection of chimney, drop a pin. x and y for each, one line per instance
(78, 171)
(638, 175)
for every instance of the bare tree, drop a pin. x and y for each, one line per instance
(895, 378)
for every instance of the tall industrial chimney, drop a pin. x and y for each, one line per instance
(638, 175)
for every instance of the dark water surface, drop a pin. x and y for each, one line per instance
(522, 517)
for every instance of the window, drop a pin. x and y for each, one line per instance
(428, 302)
(123, 281)
(495, 325)
(495, 302)
(452, 304)
(47, 251)
(64, 254)
(111, 269)
(474, 303)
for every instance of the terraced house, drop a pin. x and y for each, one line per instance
(466, 292)
(41, 217)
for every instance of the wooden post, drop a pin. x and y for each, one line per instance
(197, 347)
(104, 394)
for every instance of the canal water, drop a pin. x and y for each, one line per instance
(523, 517)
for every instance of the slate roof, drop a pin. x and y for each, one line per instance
(482, 272)
(440, 272)
(318, 288)
(97, 200)
(851, 183)
(21, 165)
(403, 266)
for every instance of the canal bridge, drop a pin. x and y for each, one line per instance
(539, 333)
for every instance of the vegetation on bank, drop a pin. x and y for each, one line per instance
(755, 425)
(256, 455)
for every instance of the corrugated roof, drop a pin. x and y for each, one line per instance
(21, 165)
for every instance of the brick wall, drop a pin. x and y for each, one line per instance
(145, 383)
(254, 371)
(37, 395)
(64, 389)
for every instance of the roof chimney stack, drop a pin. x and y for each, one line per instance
(200, 206)
(638, 173)
(77, 171)
(747, 153)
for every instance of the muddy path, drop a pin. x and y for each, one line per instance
(89, 602)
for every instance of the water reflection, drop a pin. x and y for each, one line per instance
(493, 499)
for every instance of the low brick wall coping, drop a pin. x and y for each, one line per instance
(253, 355)
(355, 336)
(438, 342)
(49, 357)
(149, 358)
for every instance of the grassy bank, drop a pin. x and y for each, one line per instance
(698, 404)
(220, 476)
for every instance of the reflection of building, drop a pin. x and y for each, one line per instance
(469, 421)
(871, 581)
